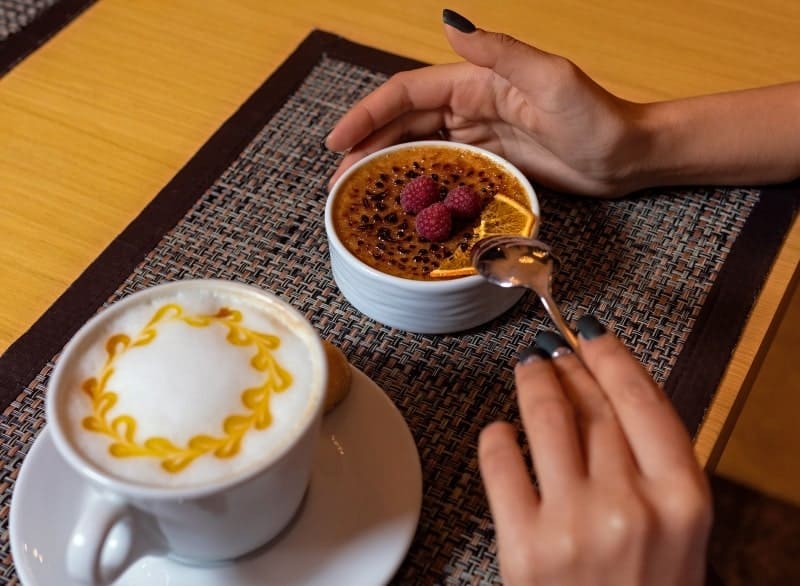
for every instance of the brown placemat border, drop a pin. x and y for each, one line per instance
(692, 381)
(701, 364)
(32, 36)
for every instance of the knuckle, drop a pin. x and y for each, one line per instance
(497, 450)
(627, 524)
(399, 77)
(687, 507)
(598, 408)
(623, 523)
(551, 412)
(606, 351)
(507, 41)
(684, 505)
(543, 559)
(562, 549)
(563, 68)
(399, 83)
(566, 548)
(519, 567)
(633, 383)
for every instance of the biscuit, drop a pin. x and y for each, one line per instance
(340, 377)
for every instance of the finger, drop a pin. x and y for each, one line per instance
(605, 447)
(509, 489)
(657, 438)
(549, 423)
(524, 66)
(407, 127)
(428, 88)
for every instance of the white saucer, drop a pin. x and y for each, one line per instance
(356, 525)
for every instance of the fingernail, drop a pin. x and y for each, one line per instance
(325, 139)
(532, 354)
(458, 22)
(551, 342)
(590, 328)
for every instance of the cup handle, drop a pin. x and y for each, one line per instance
(92, 556)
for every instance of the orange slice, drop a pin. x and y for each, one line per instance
(502, 215)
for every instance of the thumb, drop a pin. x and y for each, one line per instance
(522, 65)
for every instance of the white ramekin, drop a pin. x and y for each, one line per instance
(427, 307)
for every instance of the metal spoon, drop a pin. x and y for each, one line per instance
(514, 261)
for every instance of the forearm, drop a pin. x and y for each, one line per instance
(744, 138)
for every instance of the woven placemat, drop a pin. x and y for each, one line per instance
(672, 272)
(27, 24)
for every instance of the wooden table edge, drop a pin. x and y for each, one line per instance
(755, 340)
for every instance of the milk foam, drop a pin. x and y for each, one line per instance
(185, 382)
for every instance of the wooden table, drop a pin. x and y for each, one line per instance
(97, 121)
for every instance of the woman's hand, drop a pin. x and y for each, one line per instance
(564, 131)
(536, 109)
(620, 498)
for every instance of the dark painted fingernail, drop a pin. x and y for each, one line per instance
(458, 22)
(550, 342)
(325, 139)
(532, 354)
(590, 328)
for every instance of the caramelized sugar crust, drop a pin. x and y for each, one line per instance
(371, 223)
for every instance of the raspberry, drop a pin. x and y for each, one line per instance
(463, 203)
(434, 222)
(419, 194)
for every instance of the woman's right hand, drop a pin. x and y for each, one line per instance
(620, 498)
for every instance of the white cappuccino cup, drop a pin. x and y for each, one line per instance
(191, 409)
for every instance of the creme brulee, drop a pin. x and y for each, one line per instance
(372, 225)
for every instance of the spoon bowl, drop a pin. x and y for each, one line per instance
(515, 261)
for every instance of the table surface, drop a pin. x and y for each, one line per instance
(100, 118)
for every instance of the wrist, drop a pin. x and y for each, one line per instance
(655, 150)
(744, 138)
(644, 154)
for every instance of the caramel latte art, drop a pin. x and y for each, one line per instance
(189, 388)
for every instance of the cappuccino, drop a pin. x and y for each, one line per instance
(190, 387)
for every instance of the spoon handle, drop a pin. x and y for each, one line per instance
(558, 319)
